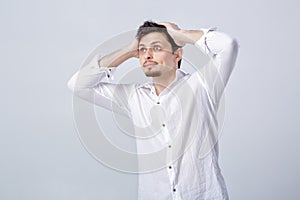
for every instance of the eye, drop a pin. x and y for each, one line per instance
(142, 50)
(157, 48)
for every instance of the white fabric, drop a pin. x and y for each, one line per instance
(188, 122)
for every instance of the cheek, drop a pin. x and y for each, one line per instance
(170, 60)
(162, 58)
(142, 60)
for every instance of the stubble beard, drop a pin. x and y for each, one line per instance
(152, 73)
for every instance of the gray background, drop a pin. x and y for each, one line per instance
(44, 42)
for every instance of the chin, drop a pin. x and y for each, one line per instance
(152, 73)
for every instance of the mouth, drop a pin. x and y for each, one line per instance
(150, 64)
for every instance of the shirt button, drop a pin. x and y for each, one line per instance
(170, 167)
(169, 146)
(108, 75)
(158, 102)
(163, 125)
(174, 190)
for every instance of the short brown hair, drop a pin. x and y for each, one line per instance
(149, 27)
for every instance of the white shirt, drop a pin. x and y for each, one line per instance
(180, 134)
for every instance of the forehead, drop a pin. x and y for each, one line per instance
(154, 37)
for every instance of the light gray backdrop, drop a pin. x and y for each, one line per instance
(43, 43)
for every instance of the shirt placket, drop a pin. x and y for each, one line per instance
(169, 164)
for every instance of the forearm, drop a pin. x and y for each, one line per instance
(91, 83)
(92, 75)
(190, 36)
(96, 86)
(117, 57)
(88, 76)
(182, 36)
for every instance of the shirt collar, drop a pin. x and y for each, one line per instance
(179, 74)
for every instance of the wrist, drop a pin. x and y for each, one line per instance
(131, 50)
(191, 36)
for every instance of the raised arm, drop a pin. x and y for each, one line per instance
(181, 36)
(91, 82)
(221, 49)
(119, 56)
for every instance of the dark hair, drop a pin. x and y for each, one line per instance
(149, 27)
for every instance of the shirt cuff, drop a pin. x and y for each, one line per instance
(109, 71)
(201, 43)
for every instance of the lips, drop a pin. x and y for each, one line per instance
(150, 64)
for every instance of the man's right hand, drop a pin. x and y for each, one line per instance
(119, 56)
(181, 36)
(133, 48)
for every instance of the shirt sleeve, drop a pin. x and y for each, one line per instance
(222, 51)
(95, 85)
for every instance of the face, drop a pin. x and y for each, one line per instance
(156, 57)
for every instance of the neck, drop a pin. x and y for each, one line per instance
(161, 82)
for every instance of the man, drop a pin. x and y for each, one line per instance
(175, 115)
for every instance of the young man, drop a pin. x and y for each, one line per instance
(175, 115)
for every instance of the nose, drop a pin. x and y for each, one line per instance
(148, 54)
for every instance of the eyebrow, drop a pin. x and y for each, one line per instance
(155, 42)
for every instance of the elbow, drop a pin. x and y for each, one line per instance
(72, 82)
(223, 42)
(232, 46)
(70, 85)
(76, 88)
(234, 43)
(76, 91)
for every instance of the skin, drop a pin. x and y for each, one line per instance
(158, 62)
(160, 65)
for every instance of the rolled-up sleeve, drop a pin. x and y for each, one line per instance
(95, 85)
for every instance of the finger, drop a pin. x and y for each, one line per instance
(163, 23)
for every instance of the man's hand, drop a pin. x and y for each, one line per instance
(133, 48)
(180, 36)
(117, 57)
(175, 32)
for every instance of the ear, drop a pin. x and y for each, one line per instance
(178, 54)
